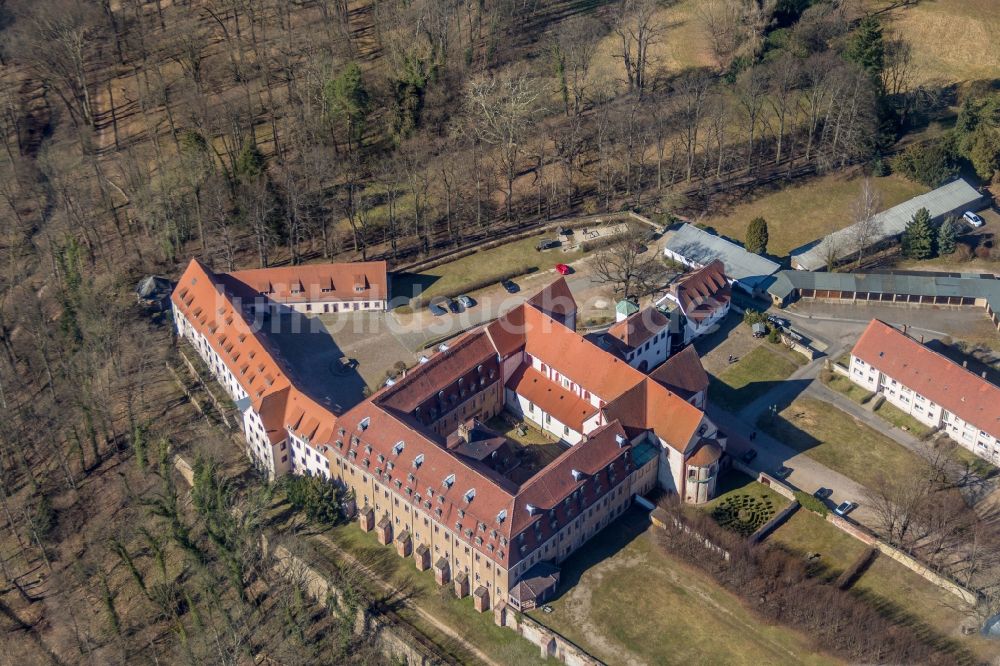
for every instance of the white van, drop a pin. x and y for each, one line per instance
(973, 219)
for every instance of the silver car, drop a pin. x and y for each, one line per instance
(973, 219)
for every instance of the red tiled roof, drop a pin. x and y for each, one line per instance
(548, 489)
(634, 330)
(444, 367)
(206, 304)
(703, 291)
(493, 494)
(586, 364)
(359, 281)
(682, 373)
(707, 452)
(565, 406)
(932, 375)
(555, 299)
(649, 406)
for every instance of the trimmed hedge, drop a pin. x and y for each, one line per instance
(812, 503)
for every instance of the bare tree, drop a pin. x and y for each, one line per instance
(577, 40)
(627, 267)
(638, 29)
(721, 21)
(867, 228)
(53, 37)
(502, 108)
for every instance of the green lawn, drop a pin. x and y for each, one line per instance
(798, 214)
(502, 645)
(626, 601)
(808, 533)
(519, 255)
(845, 386)
(734, 483)
(902, 420)
(974, 463)
(749, 378)
(837, 440)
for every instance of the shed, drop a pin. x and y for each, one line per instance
(154, 292)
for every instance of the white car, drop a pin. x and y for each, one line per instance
(973, 219)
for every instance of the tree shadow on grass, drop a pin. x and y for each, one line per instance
(406, 286)
(901, 615)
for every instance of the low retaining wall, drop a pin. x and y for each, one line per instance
(550, 642)
(765, 530)
(797, 346)
(838, 369)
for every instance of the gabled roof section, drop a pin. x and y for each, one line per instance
(357, 281)
(586, 364)
(682, 373)
(507, 332)
(932, 375)
(549, 488)
(702, 292)
(649, 406)
(566, 407)
(426, 379)
(555, 300)
(633, 331)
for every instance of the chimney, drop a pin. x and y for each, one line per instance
(984, 374)
(965, 364)
(463, 432)
(904, 329)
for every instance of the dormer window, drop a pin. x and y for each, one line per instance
(502, 516)
(398, 448)
(364, 423)
(470, 495)
(418, 461)
(449, 481)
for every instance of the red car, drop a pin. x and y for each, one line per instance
(563, 269)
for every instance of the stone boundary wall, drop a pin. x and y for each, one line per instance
(201, 380)
(797, 346)
(838, 369)
(661, 518)
(550, 642)
(866, 537)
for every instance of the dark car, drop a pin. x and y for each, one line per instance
(565, 231)
(783, 472)
(454, 306)
(777, 321)
(510, 286)
(640, 248)
(822, 493)
(548, 244)
(749, 455)
(437, 308)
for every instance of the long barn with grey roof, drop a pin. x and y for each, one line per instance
(951, 199)
(913, 287)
